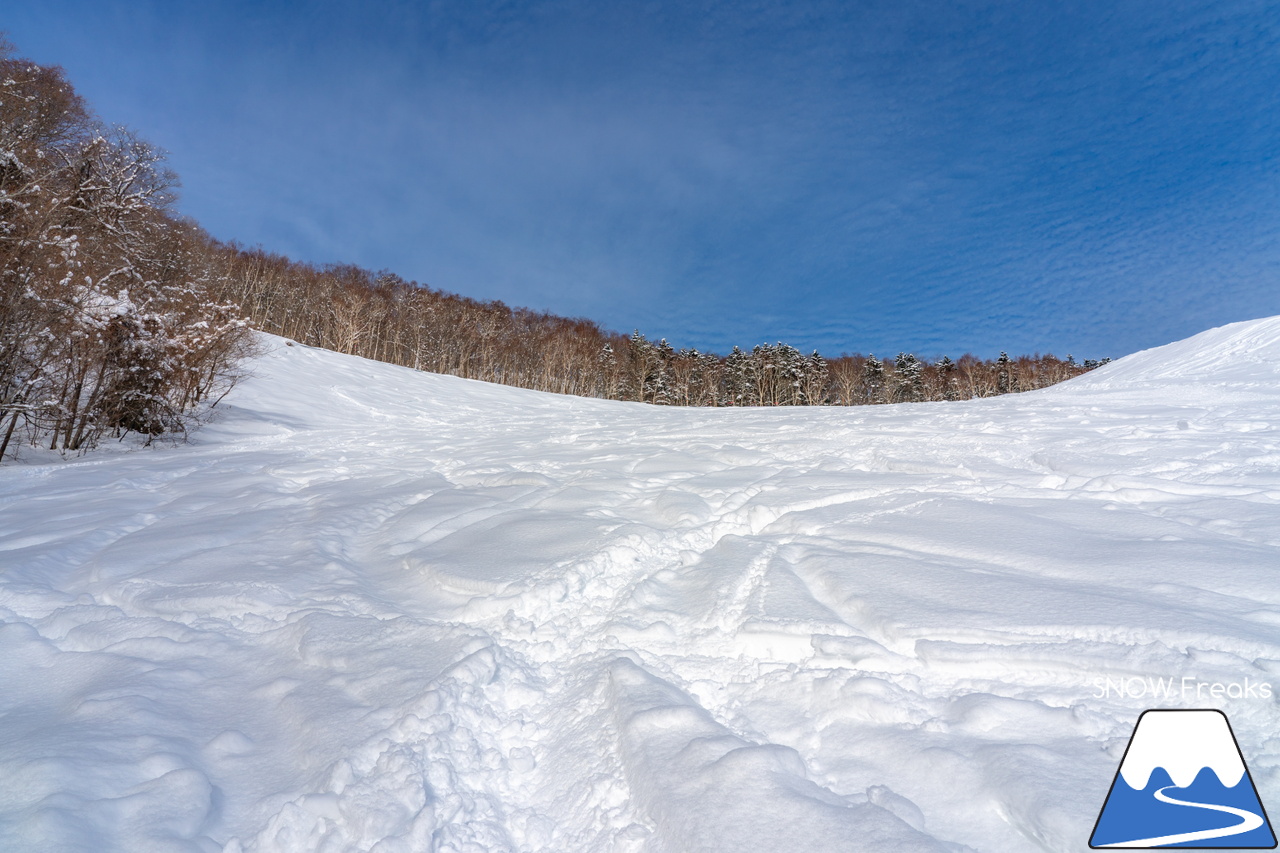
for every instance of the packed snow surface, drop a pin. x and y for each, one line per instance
(369, 609)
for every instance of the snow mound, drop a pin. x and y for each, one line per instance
(372, 609)
(1245, 354)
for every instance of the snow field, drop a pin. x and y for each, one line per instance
(371, 609)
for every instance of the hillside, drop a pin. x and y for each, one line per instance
(368, 608)
(120, 318)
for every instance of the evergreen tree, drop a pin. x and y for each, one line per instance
(645, 367)
(607, 364)
(738, 380)
(908, 378)
(792, 364)
(946, 376)
(1004, 377)
(873, 379)
(658, 387)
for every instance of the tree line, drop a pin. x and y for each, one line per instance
(118, 316)
(383, 317)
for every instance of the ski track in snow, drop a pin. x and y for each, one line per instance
(376, 610)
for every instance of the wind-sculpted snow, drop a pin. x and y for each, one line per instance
(369, 609)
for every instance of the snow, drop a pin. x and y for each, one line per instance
(1183, 743)
(371, 609)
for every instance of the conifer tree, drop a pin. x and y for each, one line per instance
(659, 382)
(1004, 376)
(738, 379)
(946, 377)
(908, 378)
(607, 361)
(873, 379)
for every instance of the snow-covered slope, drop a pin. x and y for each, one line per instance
(371, 609)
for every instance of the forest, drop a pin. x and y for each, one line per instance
(119, 316)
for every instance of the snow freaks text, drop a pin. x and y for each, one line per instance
(1186, 687)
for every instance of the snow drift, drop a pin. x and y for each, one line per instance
(371, 609)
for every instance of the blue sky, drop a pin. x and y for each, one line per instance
(937, 177)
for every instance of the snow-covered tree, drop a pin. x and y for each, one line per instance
(1005, 381)
(813, 384)
(908, 378)
(946, 378)
(739, 380)
(105, 319)
(873, 379)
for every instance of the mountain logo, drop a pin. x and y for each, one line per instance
(1183, 783)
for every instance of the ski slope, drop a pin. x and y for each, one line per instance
(368, 609)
